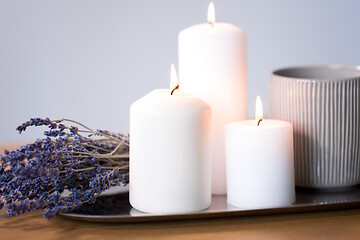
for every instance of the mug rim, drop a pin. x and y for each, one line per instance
(280, 72)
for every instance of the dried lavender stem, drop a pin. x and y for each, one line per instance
(125, 155)
(117, 147)
(73, 121)
(111, 137)
(96, 147)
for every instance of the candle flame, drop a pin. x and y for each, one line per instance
(174, 83)
(259, 110)
(211, 14)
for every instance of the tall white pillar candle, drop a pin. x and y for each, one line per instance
(169, 153)
(212, 65)
(260, 163)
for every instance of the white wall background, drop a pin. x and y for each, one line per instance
(89, 60)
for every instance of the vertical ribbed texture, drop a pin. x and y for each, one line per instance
(325, 114)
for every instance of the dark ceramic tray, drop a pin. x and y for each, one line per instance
(116, 208)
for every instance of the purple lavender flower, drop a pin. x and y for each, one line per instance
(34, 176)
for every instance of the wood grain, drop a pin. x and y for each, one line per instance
(344, 224)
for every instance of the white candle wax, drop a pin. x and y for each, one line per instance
(260, 164)
(212, 65)
(169, 162)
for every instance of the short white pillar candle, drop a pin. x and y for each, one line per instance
(260, 163)
(170, 169)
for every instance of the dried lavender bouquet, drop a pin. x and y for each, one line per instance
(77, 159)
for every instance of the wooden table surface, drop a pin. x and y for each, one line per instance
(341, 224)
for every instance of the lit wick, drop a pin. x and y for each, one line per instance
(174, 83)
(177, 87)
(211, 14)
(258, 111)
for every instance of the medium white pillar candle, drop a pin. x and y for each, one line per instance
(260, 164)
(170, 170)
(212, 65)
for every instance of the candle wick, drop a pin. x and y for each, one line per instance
(259, 121)
(177, 87)
(212, 24)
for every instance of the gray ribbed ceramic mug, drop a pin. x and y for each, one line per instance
(323, 103)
